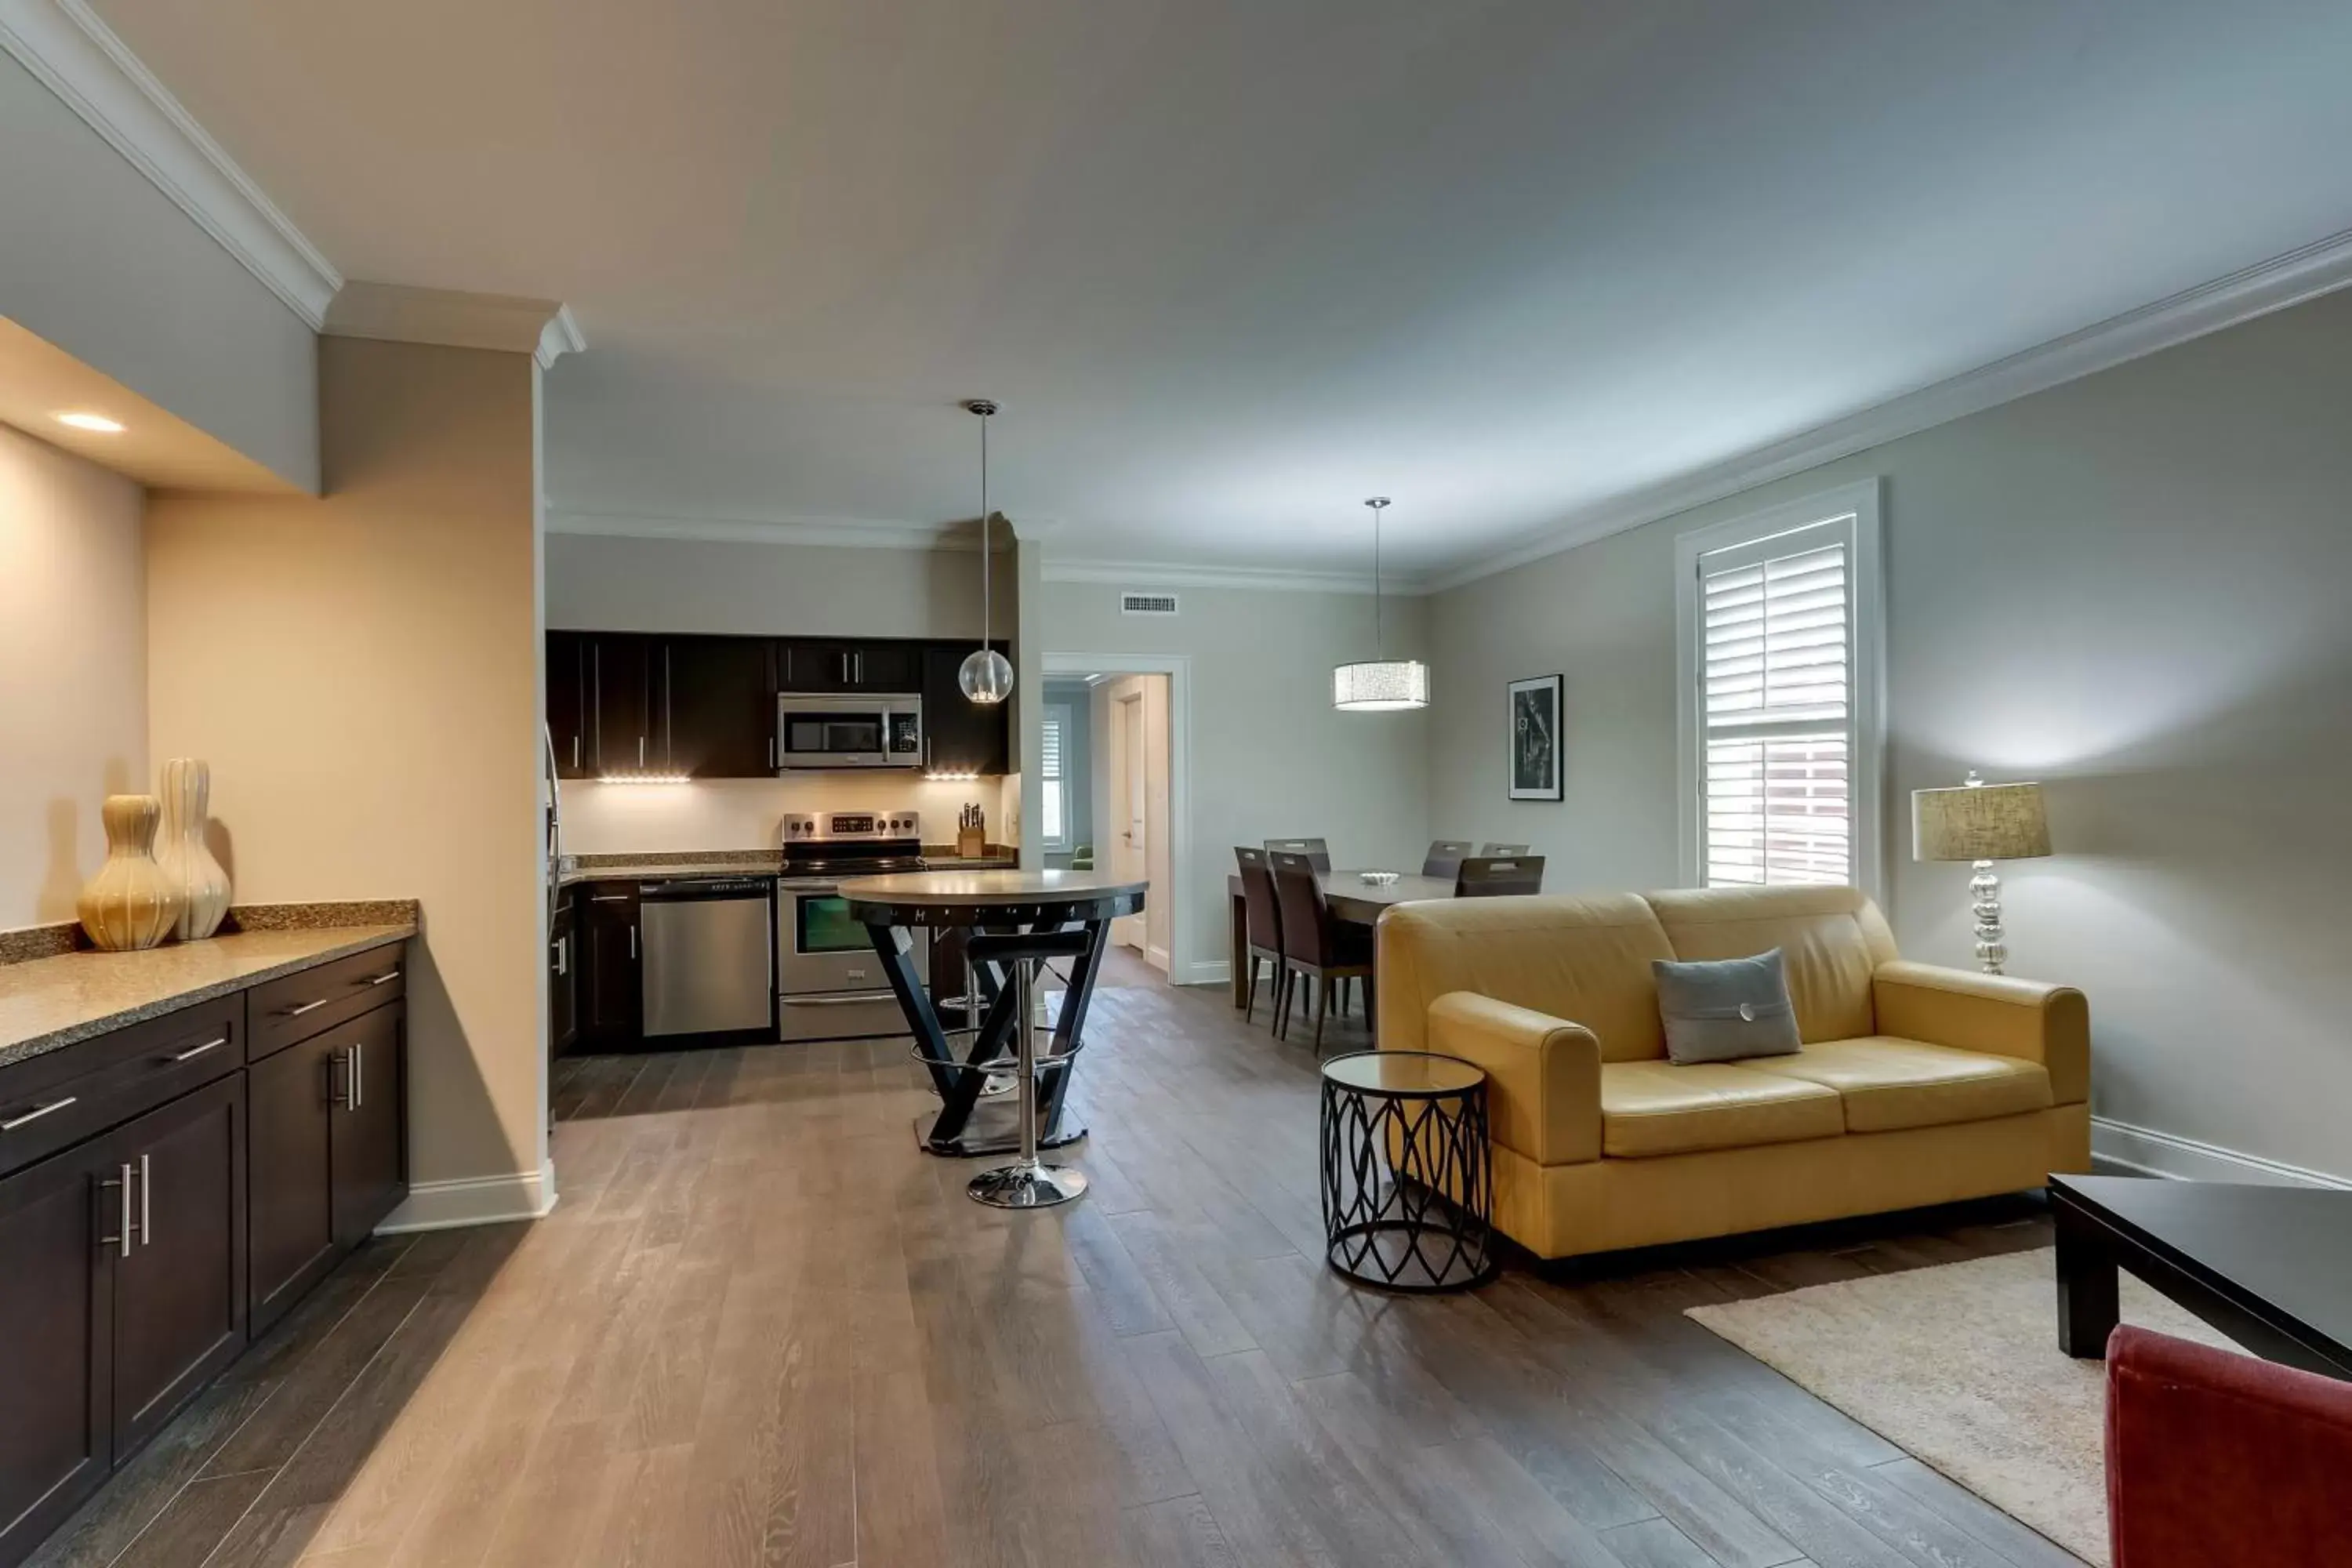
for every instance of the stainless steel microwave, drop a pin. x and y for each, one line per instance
(838, 729)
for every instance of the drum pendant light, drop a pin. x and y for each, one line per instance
(987, 675)
(1379, 685)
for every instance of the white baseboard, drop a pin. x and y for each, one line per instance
(2144, 1151)
(1157, 957)
(1205, 972)
(474, 1200)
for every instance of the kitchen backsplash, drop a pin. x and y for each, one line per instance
(743, 813)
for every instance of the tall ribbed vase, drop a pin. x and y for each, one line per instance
(181, 851)
(131, 903)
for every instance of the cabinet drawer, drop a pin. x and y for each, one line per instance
(68, 1095)
(299, 1005)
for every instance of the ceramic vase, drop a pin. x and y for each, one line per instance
(180, 849)
(131, 903)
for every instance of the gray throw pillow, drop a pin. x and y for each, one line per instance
(1727, 1009)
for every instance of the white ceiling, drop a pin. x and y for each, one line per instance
(1232, 267)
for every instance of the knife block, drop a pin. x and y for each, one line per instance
(971, 843)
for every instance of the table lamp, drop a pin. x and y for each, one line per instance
(1980, 823)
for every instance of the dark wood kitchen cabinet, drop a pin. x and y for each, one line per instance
(621, 733)
(563, 975)
(567, 704)
(834, 664)
(56, 1310)
(717, 705)
(612, 990)
(961, 736)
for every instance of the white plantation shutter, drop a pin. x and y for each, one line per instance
(1051, 750)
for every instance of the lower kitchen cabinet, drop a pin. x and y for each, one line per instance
(612, 987)
(562, 975)
(57, 1314)
(328, 1151)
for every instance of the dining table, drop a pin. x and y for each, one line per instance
(1350, 898)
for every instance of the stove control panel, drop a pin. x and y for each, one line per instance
(850, 826)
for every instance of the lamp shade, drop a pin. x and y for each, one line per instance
(1380, 685)
(1979, 821)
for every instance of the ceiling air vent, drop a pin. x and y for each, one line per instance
(1133, 604)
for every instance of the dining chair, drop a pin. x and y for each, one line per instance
(1491, 849)
(1263, 918)
(1444, 857)
(1315, 944)
(1498, 876)
(1314, 849)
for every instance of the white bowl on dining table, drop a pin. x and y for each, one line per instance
(1376, 878)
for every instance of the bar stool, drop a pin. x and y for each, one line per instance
(1028, 1182)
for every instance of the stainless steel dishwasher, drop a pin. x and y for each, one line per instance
(710, 955)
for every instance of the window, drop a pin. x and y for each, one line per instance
(1053, 752)
(1779, 617)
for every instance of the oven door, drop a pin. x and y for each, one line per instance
(828, 736)
(830, 981)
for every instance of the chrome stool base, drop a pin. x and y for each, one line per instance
(1026, 1185)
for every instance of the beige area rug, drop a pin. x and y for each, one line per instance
(1958, 1365)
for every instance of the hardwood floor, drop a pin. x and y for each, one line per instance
(761, 1327)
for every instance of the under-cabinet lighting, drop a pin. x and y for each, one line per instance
(936, 777)
(646, 778)
(98, 422)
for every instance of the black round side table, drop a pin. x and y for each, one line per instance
(1408, 1183)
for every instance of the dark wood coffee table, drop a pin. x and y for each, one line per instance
(2270, 1267)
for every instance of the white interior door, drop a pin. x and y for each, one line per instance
(1127, 790)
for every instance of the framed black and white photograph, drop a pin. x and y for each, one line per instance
(1535, 738)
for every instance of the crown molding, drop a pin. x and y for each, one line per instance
(856, 533)
(76, 55)
(1148, 574)
(2319, 267)
(453, 318)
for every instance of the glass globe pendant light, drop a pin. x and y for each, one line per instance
(1379, 685)
(987, 675)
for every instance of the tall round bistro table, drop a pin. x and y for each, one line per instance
(1066, 913)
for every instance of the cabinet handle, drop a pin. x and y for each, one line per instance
(347, 1059)
(860, 657)
(608, 897)
(193, 1052)
(122, 1237)
(562, 955)
(596, 661)
(669, 721)
(772, 751)
(575, 753)
(37, 1112)
(305, 1008)
(388, 976)
(146, 1224)
(641, 751)
(632, 941)
(359, 1074)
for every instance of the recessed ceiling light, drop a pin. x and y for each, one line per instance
(97, 422)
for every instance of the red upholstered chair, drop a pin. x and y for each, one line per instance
(2217, 1461)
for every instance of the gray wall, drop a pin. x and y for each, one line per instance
(1270, 756)
(2132, 587)
(97, 261)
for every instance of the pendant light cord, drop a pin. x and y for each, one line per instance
(987, 596)
(1379, 639)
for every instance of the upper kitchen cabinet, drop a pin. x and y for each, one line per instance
(716, 702)
(621, 735)
(961, 736)
(567, 704)
(892, 668)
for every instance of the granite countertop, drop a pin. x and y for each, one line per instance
(741, 863)
(47, 1002)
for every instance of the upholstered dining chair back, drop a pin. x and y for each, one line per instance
(1306, 918)
(1258, 899)
(1314, 849)
(1498, 876)
(1444, 857)
(1491, 851)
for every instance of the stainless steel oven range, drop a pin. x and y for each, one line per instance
(830, 986)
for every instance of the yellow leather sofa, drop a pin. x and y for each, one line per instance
(1917, 1084)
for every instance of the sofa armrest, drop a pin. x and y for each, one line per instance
(1543, 1074)
(1993, 1013)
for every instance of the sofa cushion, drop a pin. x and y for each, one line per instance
(1657, 1108)
(1726, 1009)
(1889, 1083)
(1585, 960)
(1832, 940)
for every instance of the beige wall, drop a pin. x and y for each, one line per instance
(364, 673)
(73, 671)
(1268, 754)
(2131, 587)
(595, 583)
(96, 259)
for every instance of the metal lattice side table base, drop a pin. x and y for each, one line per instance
(1408, 1187)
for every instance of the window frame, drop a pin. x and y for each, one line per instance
(1056, 714)
(1867, 650)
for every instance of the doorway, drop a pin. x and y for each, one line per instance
(1114, 796)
